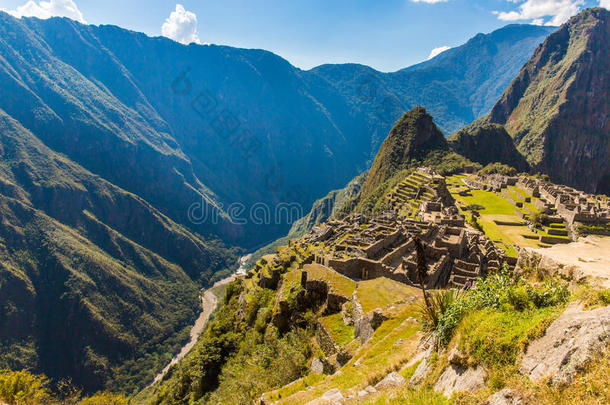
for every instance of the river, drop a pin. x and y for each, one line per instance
(208, 305)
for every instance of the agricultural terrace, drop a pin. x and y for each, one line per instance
(499, 218)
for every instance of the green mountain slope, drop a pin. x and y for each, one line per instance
(487, 143)
(97, 285)
(557, 108)
(413, 141)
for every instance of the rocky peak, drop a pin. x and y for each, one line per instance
(557, 108)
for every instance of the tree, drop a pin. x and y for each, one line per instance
(422, 269)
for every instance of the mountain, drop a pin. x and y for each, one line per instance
(488, 143)
(97, 285)
(412, 138)
(557, 108)
(221, 127)
(456, 87)
(129, 164)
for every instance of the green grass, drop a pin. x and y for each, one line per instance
(495, 337)
(493, 203)
(337, 282)
(291, 280)
(379, 356)
(421, 396)
(380, 292)
(341, 333)
(496, 207)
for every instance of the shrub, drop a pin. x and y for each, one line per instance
(439, 303)
(474, 207)
(519, 298)
(105, 399)
(23, 388)
(604, 296)
(549, 294)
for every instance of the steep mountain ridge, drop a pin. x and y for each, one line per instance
(117, 147)
(94, 277)
(557, 108)
(215, 125)
(412, 138)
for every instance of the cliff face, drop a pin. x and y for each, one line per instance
(557, 108)
(487, 143)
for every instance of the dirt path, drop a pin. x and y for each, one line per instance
(590, 254)
(208, 304)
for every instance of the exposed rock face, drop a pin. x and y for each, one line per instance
(366, 325)
(531, 259)
(589, 258)
(322, 366)
(391, 380)
(456, 378)
(487, 143)
(557, 108)
(504, 397)
(567, 345)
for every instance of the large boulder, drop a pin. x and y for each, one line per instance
(331, 397)
(456, 378)
(391, 380)
(366, 326)
(504, 397)
(567, 345)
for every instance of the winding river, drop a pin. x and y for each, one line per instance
(208, 305)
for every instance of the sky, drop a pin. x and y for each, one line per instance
(385, 34)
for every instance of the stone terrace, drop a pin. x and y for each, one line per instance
(364, 248)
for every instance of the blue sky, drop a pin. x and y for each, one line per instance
(385, 34)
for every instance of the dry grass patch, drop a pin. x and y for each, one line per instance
(381, 292)
(336, 282)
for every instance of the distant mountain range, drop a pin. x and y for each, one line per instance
(179, 124)
(122, 157)
(556, 110)
(553, 118)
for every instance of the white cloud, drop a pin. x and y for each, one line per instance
(429, 1)
(181, 26)
(437, 51)
(559, 11)
(48, 9)
(605, 4)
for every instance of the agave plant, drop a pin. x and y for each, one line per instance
(437, 305)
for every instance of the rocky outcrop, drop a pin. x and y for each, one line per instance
(456, 378)
(366, 325)
(504, 397)
(567, 345)
(331, 397)
(540, 261)
(322, 366)
(390, 381)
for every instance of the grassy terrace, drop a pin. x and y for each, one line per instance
(497, 208)
(381, 292)
(390, 348)
(342, 334)
(337, 283)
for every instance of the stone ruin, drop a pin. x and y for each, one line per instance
(364, 248)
